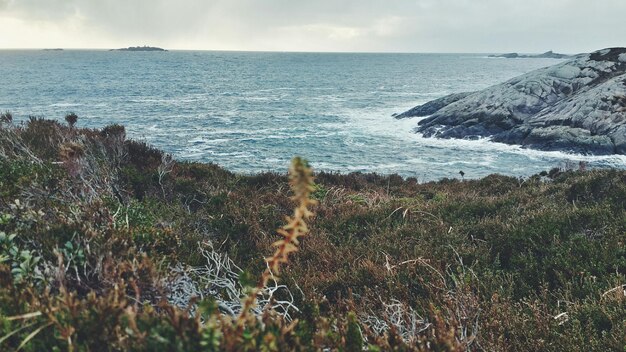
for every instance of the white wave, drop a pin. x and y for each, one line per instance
(64, 105)
(269, 90)
(217, 141)
(165, 101)
(379, 123)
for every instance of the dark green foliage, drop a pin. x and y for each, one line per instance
(138, 181)
(113, 131)
(354, 339)
(44, 137)
(71, 119)
(18, 175)
(143, 156)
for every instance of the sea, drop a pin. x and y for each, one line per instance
(252, 112)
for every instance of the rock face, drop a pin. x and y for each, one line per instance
(577, 106)
(433, 106)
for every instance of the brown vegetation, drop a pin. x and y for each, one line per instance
(110, 244)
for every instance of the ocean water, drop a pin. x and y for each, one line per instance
(252, 112)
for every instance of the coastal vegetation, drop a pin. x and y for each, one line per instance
(107, 243)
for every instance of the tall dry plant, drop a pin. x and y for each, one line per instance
(302, 185)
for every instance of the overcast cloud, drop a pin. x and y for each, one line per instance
(317, 25)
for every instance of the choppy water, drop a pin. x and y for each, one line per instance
(252, 112)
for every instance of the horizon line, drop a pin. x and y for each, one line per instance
(291, 51)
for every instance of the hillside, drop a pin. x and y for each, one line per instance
(109, 244)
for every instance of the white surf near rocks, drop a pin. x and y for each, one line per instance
(577, 106)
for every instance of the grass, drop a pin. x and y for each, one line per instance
(109, 244)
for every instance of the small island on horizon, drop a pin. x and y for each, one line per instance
(547, 55)
(140, 48)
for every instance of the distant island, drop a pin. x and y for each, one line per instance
(546, 55)
(139, 48)
(54, 49)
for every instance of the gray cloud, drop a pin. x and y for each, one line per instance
(48, 10)
(344, 25)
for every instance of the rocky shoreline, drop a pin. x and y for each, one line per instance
(576, 106)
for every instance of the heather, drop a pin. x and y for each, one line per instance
(107, 243)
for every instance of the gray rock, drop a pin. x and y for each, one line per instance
(578, 106)
(432, 106)
(578, 140)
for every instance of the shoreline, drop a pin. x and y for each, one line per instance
(557, 159)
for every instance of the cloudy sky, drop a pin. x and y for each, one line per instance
(569, 26)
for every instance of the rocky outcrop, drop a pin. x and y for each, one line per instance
(547, 55)
(576, 106)
(433, 106)
(140, 48)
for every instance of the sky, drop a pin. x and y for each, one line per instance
(450, 26)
